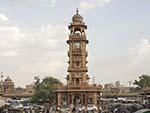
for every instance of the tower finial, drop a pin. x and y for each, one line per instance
(77, 11)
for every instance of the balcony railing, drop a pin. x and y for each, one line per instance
(77, 37)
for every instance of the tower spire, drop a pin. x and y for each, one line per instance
(77, 11)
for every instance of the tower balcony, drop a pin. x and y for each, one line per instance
(73, 86)
(74, 53)
(78, 52)
(77, 69)
(71, 36)
(77, 24)
(85, 86)
(77, 38)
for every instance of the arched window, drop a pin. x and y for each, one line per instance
(70, 99)
(78, 32)
(77, 64)
(77, 81)
(83, 99)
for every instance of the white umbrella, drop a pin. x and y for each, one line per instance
(2, 103)
(143, 111)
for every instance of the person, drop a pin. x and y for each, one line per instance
(57, 110)
(99, 109)
(25, 111)
(69, 111)
(47, 110)
(84, 110)
(73, 110)
(32, 111)
(28, 110)
(50, 110)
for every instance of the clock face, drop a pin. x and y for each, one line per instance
(77, 45)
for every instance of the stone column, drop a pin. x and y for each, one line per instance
(72, 99)
(81, 98)
(59, 99)
(69, 100)
(95, 98)
(86, 99)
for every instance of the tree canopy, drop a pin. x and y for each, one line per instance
(143, 82)
(44, 89)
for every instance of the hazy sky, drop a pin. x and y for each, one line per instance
(33, 36)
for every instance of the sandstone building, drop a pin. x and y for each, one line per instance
(8, 89)
(78, 90)
(8, 86)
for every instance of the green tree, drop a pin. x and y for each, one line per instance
(143, 82)
(44, 89)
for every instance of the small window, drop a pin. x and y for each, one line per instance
(77, 81)
(77, 64)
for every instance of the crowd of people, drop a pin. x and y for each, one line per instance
(46, 109)
(110, 108)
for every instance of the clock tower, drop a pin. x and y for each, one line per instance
(77, 52)
(78, 90)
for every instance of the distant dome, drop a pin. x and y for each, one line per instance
(8, 79)
(77, 17)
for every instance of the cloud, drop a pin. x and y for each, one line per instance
(3, 18)
(52, 3)
(31, 3)
(10, 36)
(27, 51)
(140, 52)
(125, 67)
(90, 4)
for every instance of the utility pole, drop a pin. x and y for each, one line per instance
(1, 81)
(2, 75)
(93, 80)
(130, 83)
